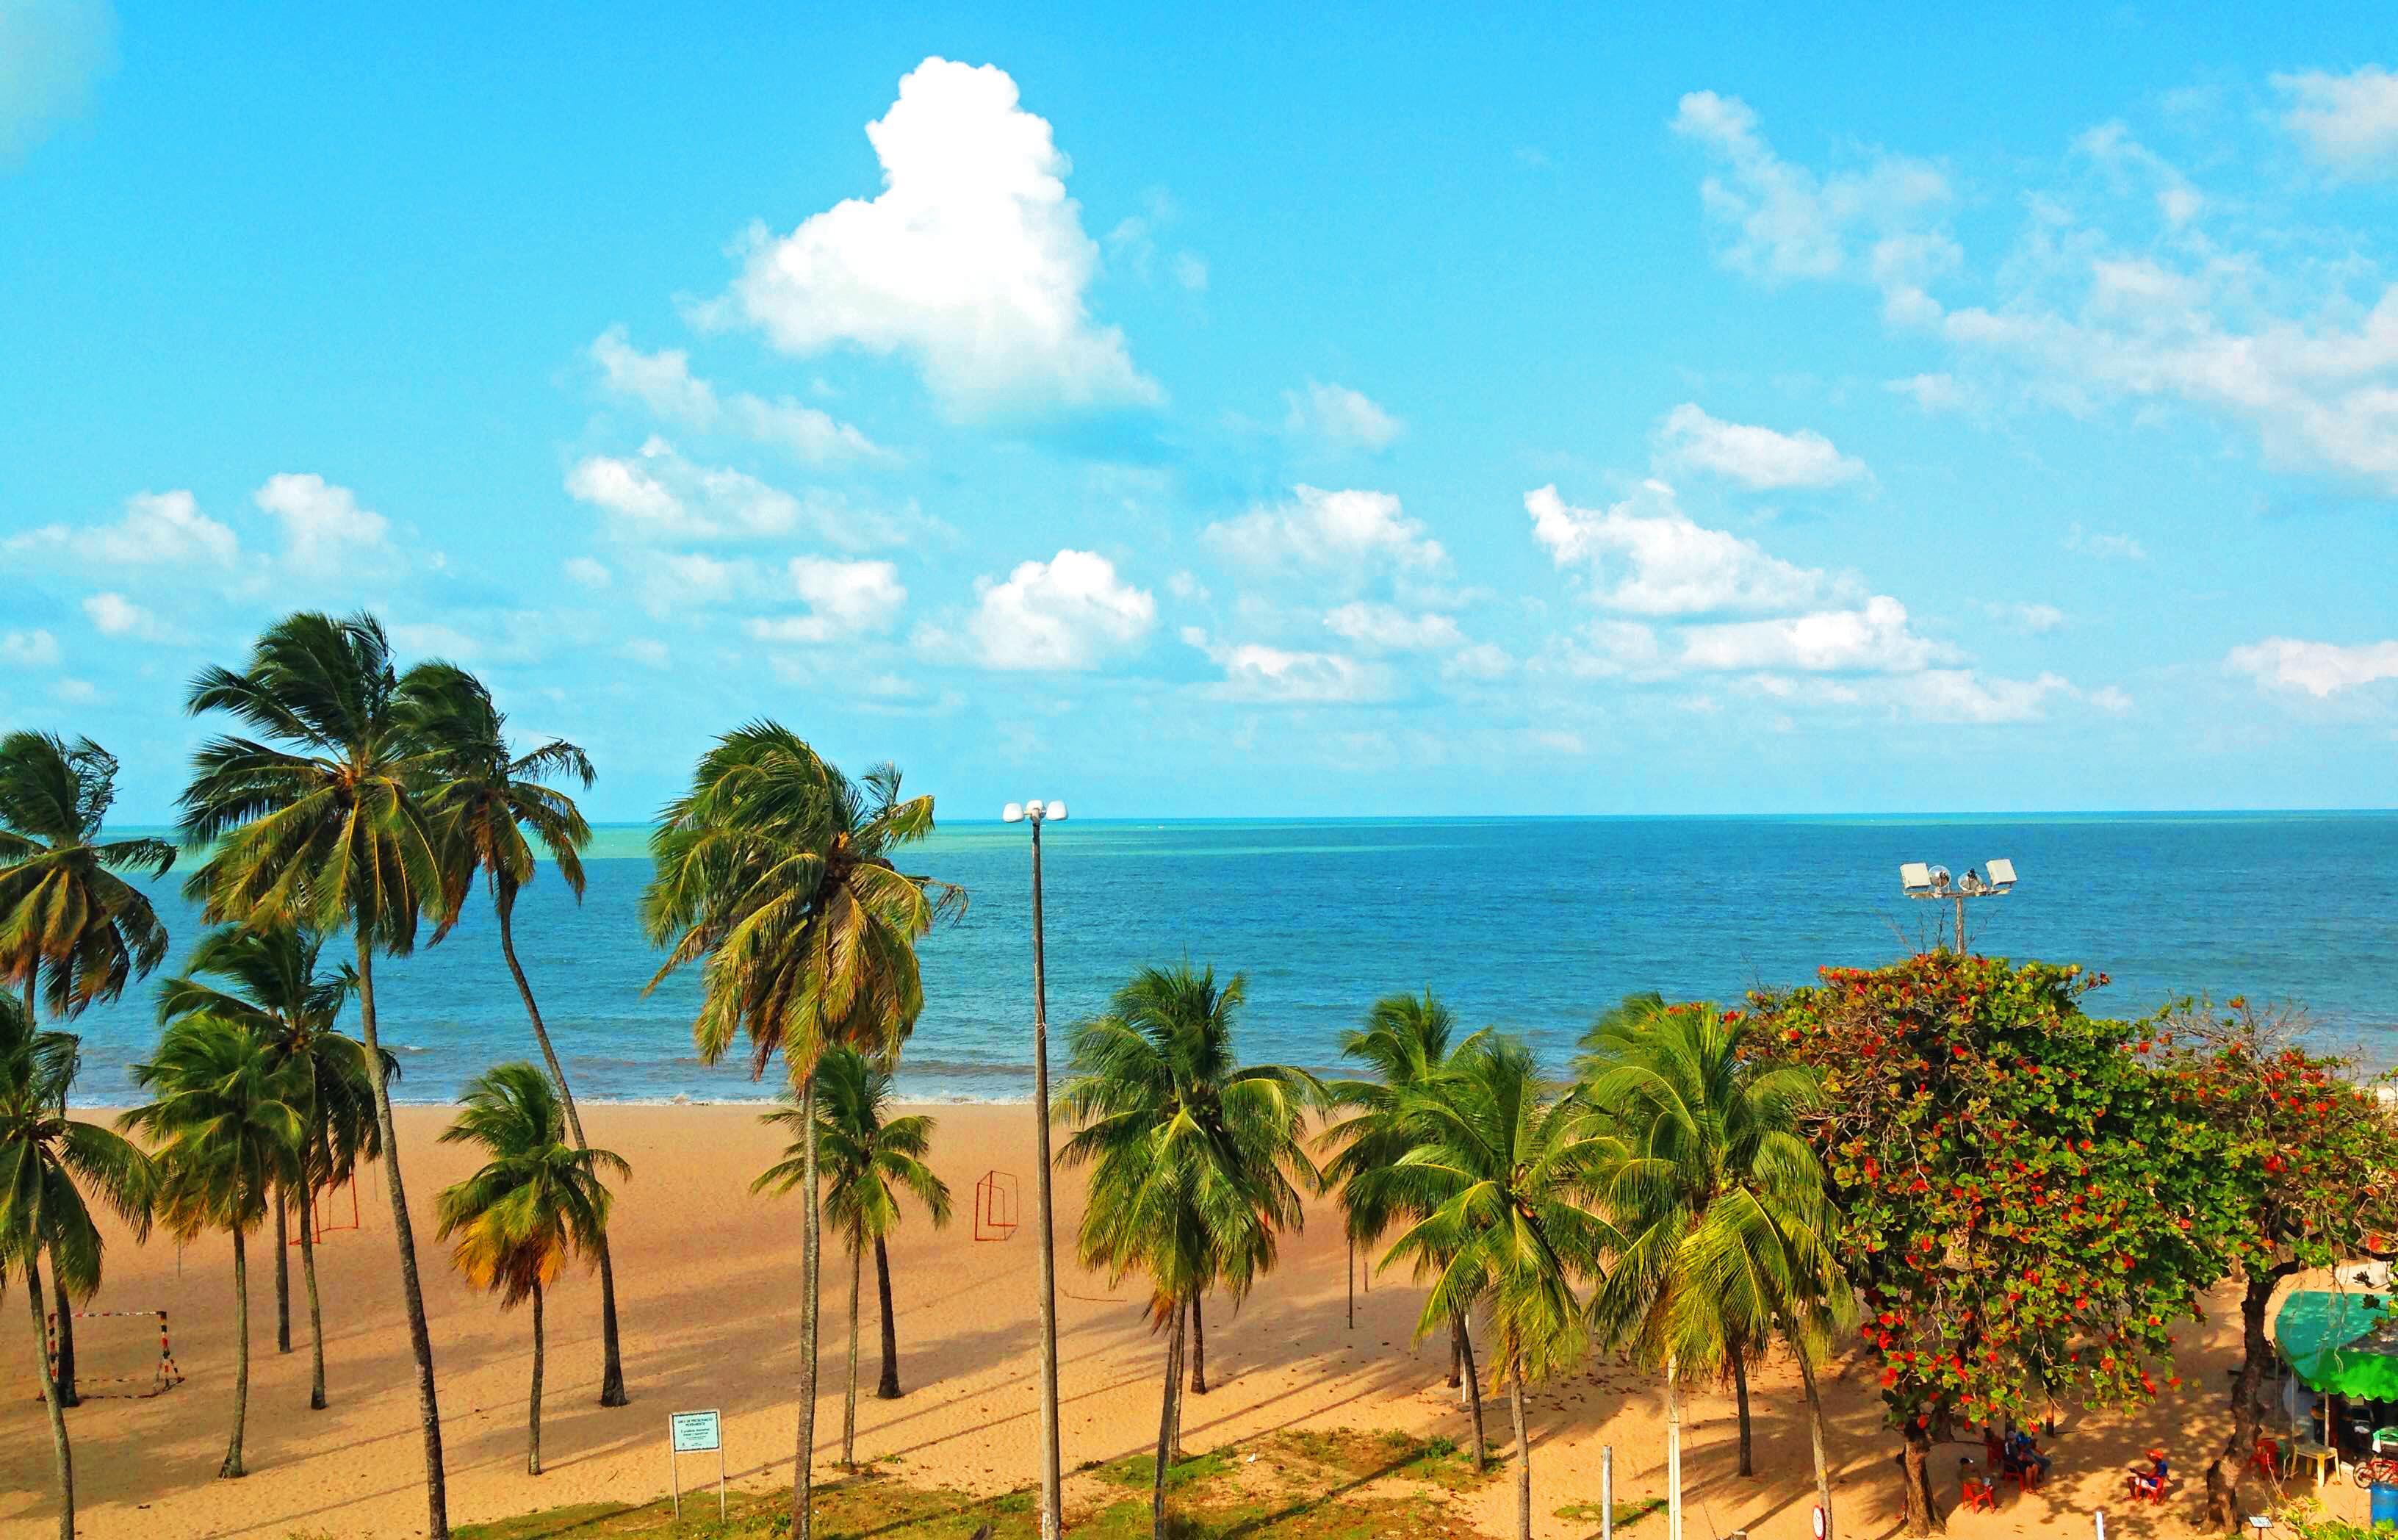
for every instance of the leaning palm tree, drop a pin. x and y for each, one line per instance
(48, 1163)
(1718, 1199)
(317, 824)
(537, 1200)
(228, 1126)
(270, 982)
(1497, 1170)
(862, 1152)
(489, 800)
(1195, 1160)
(69, 924)
(1406, 1042)
(776, 869)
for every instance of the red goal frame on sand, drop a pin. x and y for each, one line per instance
(317, 1211)
(165, 1378)
(995, 1205)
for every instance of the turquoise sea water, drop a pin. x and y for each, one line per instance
(1530, 923)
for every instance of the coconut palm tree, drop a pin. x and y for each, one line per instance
(776, 869)
(270, 982)
(863, 1154)
(69, 923)
(1497, 1171)
(1195, 1160)
(229, 1126)
(48, 1163)
(1406, 1042)
(317, 824)
(489, 801)
(536, 1201)
(1718, 1199)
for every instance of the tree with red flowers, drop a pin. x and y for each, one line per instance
(2307, 1161)
(2022, 1214)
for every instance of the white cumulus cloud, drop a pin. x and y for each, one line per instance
(113, 614)
(325, 531)
(1338, 417)
(844, 599)
(35, 649)
(1756, 458)
(657, 494)
(662, 382)
(1256, 672)
(1389, 629)
(2349, 122)
(1646, 556)
(1351, 531)
(972, 260)
(2318, 667)
(157, 529)
(1069, 613)
(1873, 638)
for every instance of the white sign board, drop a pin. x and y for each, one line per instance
(695, 1432)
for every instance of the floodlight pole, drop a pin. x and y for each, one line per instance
(1924, 881)
(1052, 1480)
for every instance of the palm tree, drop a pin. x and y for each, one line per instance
(1406, 1042)
(46, 1162)
(1195, 1160)
(777, 869)
(68, 922)
(1719, 1201)
(537, 1200)
(229, 1126)
(862, 1151)
(319, 827)
(270, 982)
(489, 799)
(1497, 1169)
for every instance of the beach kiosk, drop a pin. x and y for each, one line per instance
(2342, 1347)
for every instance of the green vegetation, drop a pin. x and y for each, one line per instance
(1626, 1514)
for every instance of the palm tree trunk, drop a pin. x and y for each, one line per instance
(1473, 1390)
(233, 1467)
(1198, 1349)
(804, 1461)
(1169, 1427)
(849, 1403)
(612, 1362)
(420, 1339)
(532, 1411)
(888, 1389)
(1673, 1449)
(1523, 1450)
(1815, 1437)
(60, 1450)
(315, 1308)
(1740, 1398)
(1456, 1353)
(65, 1308)
(282, 1274)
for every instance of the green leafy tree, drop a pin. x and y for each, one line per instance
(228, 1125)
(72, 930)
(48, 1163)
(1406, 1043)
(2022, 1213)
(866, 1157)
(1499, 1169)
(272, 982)
(317, 825)
(1724, 1233)
(1196, 1160)
(537, 1200)
(493, 805)
(777, 870)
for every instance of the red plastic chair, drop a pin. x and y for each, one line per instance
(2149, 1486)
(1977, 1496)
(2025, 1477)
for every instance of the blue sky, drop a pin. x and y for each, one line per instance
(1254, 411)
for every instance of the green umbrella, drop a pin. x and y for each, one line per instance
(2340, 1344)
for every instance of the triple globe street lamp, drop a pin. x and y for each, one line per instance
(1052, 1480)
(1919, 880)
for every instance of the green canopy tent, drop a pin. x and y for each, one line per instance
(2341, 1343)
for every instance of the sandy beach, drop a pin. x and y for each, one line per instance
(708, 1276)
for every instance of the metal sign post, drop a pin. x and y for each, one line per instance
(1607, 1493)
(695, 1433)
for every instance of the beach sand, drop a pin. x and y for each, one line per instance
(708, 1280)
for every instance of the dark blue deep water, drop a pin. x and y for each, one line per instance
(1530, 923)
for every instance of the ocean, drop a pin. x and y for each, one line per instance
(1530, 925)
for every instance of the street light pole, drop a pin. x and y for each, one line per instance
(1052, 1479)
(1919, 880)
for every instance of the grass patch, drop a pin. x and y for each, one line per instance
(1625, 1513)
(1346, 1453)
(1139, 1470)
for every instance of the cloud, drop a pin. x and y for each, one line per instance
(1279, 676)
(657, 495)
(325, 531)
(51, 51)
(1353, 531)
(113, 614)
(844, 599)
(1069, 613)
(1759, 458)
(662, 382)
(2319, 669)
(1338, 418)
(2349, 122)
(2038, 619)
(1190, 270)
(2108, 547)
(1646, 556)
(972, 260)
(1389, 629)
(1930, 393)
(29, 649)
(676, 581)
(159, 529)
(648, 652)
(1874, 638)
(586, 571)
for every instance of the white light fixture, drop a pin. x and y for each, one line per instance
(1914, 877)
(1922, 880)
(1054, 810)
(2002, 873)
(1012, 813)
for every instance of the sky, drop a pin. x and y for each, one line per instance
(1253, 411)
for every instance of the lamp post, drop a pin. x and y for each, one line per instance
(1052, 1483)
(1920, 880)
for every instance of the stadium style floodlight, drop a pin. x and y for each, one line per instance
(1052, 1478)
(1921, 880)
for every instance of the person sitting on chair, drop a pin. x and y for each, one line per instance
(2022, 1454)
(2150, 1483)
